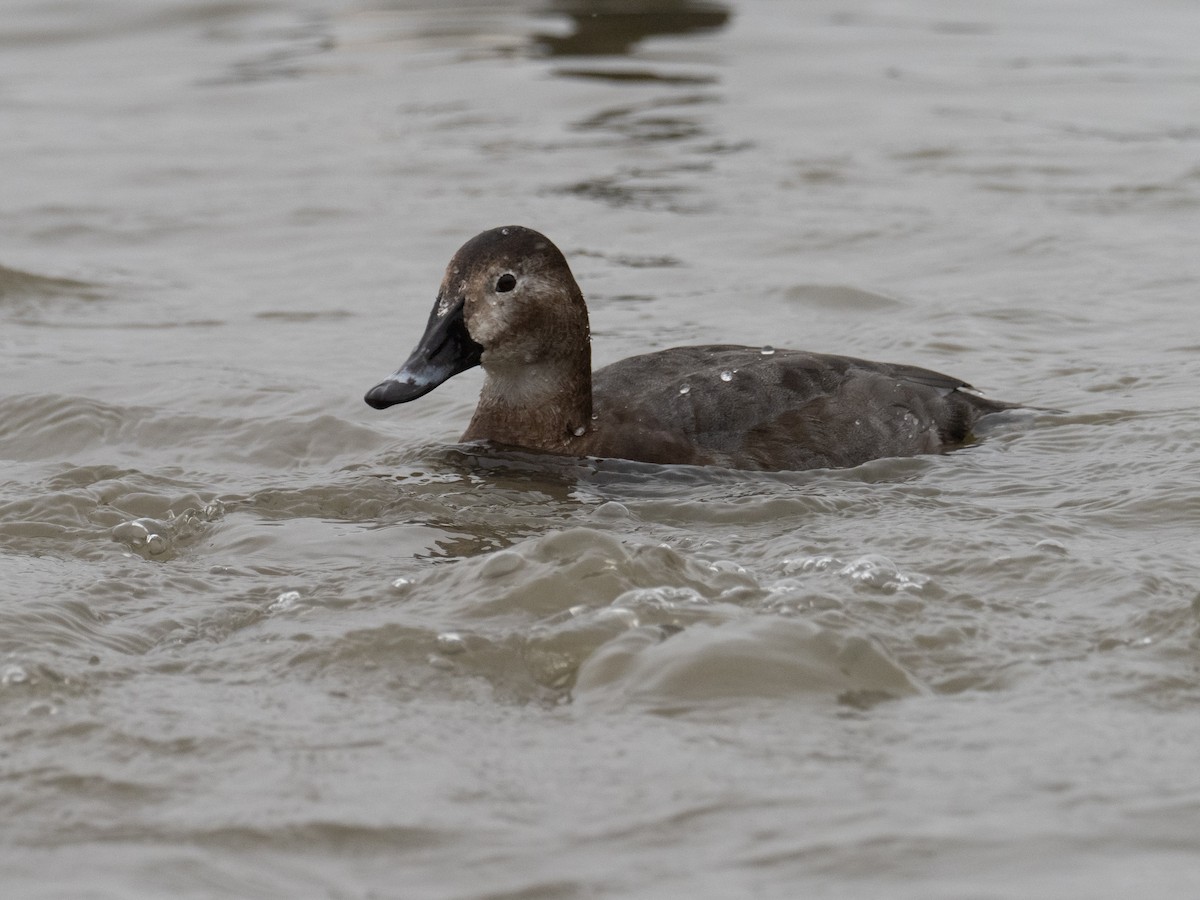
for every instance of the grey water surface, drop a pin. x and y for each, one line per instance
(259, 640)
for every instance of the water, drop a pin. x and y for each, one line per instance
(259, 640)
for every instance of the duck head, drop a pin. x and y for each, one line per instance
(508, 302)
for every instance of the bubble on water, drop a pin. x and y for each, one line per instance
(1049, 545)
(132, 534)
(501, 563)
(768, 350)
(401, 583)
(284, 602)
(626, 617)
(684, 388)
(881, 573)
(611, 509)
(451, 643)
(661, 598)
(799, 564)
(13, 674)
(727, 375)
(152, 537)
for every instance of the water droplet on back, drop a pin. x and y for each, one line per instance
(684, 388)
(727, 375)
(768, 350)
(580, 431)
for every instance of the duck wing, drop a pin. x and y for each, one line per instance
(784, 409)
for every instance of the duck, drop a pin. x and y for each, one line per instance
(509, 303)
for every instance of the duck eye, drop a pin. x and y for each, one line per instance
(505, 283)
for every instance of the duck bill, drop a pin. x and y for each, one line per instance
(444, 350)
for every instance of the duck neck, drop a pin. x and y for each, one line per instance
(545, 405)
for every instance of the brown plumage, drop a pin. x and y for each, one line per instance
(509, 302)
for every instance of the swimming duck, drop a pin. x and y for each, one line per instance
(509, 302)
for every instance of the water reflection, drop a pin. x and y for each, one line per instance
(614, 27)
(289, 54)
(603, 38)
(16, 284)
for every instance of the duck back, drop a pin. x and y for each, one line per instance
(752, 408)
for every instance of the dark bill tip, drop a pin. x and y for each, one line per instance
(390, 392)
